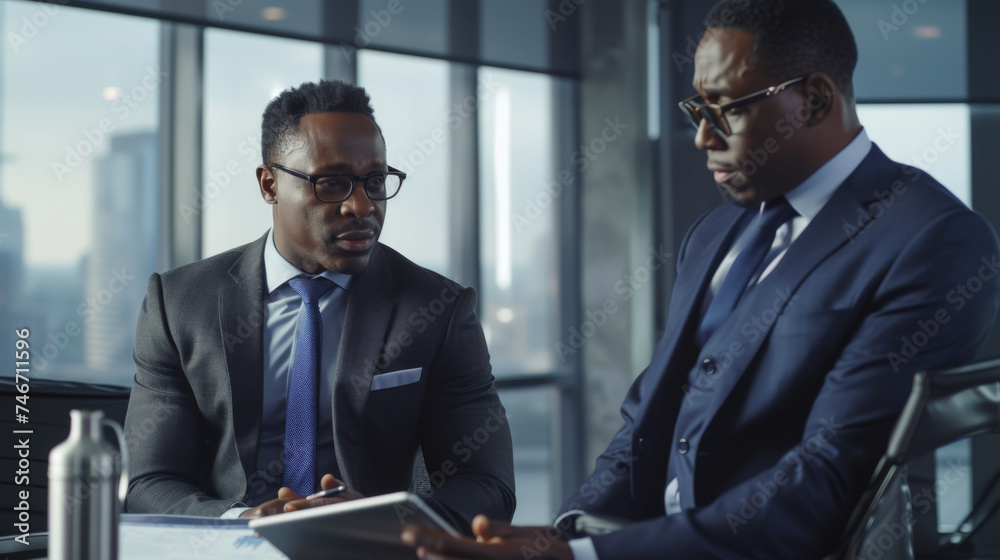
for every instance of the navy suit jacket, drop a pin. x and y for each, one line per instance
(775, 425)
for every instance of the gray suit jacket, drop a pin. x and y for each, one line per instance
(194, 418)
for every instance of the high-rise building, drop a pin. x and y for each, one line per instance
(11, 259)
(123, 254)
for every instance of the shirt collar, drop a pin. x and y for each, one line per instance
(809, 197)
(279, 271)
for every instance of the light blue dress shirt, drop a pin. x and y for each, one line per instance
(807, 199)
(283, 315)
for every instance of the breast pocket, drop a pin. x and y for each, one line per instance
(396, 387)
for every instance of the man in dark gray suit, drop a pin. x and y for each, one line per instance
(401, 371)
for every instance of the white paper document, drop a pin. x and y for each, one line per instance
(145, 537)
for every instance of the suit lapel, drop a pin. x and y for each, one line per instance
(824, 235)
(708, 243)
(370, 309)
(685, 302)
(242, 319)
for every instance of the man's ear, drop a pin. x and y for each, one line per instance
(265, 179)
(821, 96)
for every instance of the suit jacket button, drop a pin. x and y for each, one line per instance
(708, 366)
(683, 446)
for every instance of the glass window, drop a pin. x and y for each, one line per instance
(302, 17)
(411, 26)
(934, 138)
(78, 185)
(410, 98)
(519, 196)
(909, 49)
(529, 45)
(953, 485)
(531, 414)
(242, 73)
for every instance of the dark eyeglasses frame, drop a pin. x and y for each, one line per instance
(716, 114)
(354, 181)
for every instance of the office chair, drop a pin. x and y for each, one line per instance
(49, 403)
(944, 406)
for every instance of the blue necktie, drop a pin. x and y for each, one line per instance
(762, 229)
(300, 409)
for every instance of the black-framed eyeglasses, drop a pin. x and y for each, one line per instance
(336, 187)
(697, 109)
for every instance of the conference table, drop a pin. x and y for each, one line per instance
(162, 537)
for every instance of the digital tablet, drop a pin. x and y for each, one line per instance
(362, 529)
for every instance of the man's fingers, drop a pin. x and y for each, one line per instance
(439, 544)
(329, 481)
(296, 505)
(304, 503)
(286, 493)
(485, 529)
(270, 507)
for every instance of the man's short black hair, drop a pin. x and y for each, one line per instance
(793, 38)
(280, 122)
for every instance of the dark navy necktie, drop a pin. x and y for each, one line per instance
(300, 409)
(762, 231)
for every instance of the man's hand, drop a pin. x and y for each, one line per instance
(275, 506)
(288, 500)
(327, 482)
(495, 540)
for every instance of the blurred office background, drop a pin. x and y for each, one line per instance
(547, 167)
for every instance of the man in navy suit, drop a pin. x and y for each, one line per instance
(770, 398)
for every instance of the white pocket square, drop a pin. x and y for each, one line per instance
(396, 378)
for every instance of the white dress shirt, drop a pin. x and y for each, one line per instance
(283, 316)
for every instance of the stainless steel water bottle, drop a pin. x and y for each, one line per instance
(87, 483)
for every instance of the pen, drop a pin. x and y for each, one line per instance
(327, 493)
